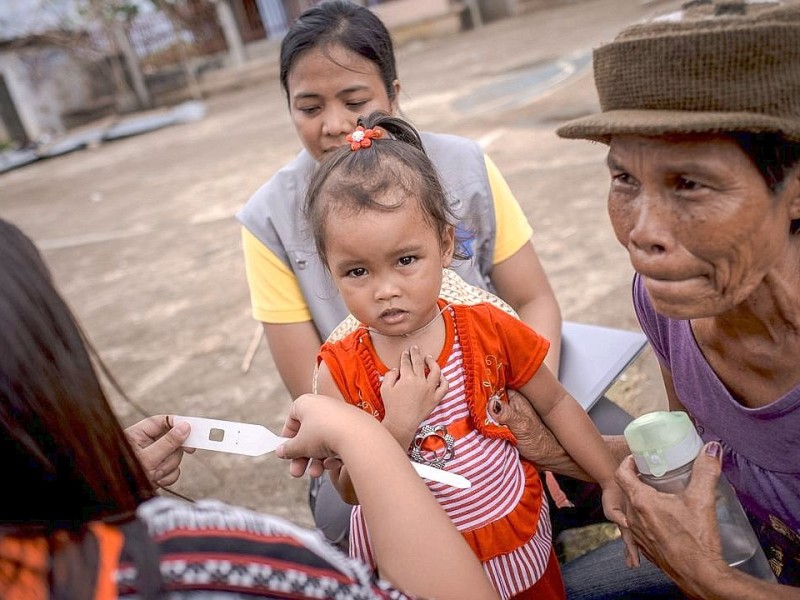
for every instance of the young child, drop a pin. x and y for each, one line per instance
(382, 227)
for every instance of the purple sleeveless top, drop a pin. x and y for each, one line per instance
(761, 446)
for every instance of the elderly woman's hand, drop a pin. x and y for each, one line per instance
(678, 532)
(535, 441)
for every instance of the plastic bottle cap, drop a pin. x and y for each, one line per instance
(662, 441)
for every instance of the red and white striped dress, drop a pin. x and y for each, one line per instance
(493, 467)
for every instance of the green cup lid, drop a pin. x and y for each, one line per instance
(661, 441)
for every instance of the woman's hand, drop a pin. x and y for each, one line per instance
(314, 423)
(410, 393)
(159, 447)
(678, 532)
(535, 442)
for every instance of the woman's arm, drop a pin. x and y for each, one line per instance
(278, 303)
(520, 280)
(417, 548)
(679, 532)
(669, 386)
(294, 348)
(340, 478)
(537, 444)
(517, 273)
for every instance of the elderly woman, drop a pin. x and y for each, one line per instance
(701, 115)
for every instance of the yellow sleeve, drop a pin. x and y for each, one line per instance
(275, 294)
(512, 228)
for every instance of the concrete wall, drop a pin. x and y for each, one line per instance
(44, 83)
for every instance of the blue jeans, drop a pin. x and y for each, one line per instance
(603, 575)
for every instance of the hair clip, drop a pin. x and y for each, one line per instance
(362, 138)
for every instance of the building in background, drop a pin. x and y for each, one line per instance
(66, 62)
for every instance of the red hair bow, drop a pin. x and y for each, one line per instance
(362, 138)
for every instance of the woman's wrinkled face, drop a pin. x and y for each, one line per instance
(329, 88)
(698, 220)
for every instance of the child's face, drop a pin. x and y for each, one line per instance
(388, 265)
(328, 91)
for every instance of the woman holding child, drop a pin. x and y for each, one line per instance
(337, 63)
(429, 367)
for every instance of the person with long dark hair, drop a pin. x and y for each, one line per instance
(81, 519)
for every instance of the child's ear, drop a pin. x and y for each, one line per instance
(448, 245)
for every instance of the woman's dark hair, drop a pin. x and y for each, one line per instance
(344, 24)
(774, 156)
(367, 179)
(70, 461)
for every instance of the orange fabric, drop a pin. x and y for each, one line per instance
(550, 586)
(110, 541)
(499, 350)
(513, 530)
(24, 567)
(556, 493)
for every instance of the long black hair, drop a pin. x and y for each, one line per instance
(68, 462)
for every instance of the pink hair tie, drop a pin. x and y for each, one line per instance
(362, 138)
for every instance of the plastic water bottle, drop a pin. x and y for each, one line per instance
(664, 446)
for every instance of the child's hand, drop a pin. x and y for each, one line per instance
(614, 509)
(410, 394)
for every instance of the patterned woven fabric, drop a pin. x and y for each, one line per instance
(213, 550)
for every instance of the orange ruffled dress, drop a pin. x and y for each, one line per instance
(503, 516)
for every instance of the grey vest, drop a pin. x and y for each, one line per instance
(274, 215)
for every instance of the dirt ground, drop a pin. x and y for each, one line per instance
(142, 241)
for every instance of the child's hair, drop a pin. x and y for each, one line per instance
(345, 24)
(370, 178)
(70, 458)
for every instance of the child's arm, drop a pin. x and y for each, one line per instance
(339, 477)
(574, 430)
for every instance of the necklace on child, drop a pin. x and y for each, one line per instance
(414, 331)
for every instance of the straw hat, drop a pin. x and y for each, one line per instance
(454, 290)
(711, 66)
